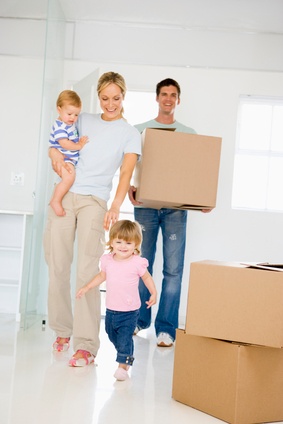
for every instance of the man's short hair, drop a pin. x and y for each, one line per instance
(165, 83)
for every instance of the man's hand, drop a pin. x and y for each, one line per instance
(131, 194)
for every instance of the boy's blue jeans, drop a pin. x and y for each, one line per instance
(173, 225)
(120, 327)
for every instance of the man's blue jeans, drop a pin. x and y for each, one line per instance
(172, 223)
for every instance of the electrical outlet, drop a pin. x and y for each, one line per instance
(17, 178)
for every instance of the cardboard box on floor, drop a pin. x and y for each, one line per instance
(234, 302)
(178, 170)
(240, 384)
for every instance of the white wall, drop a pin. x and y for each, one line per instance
(20, 111)
(31, 66)
(209, 103)
(170, 45)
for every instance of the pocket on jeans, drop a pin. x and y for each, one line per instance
(95, 242)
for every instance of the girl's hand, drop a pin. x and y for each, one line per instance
(81, 292)
(151, 301)
(110, 218)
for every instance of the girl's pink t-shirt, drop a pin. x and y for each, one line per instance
(122, 281)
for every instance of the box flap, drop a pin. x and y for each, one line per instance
(265, 265)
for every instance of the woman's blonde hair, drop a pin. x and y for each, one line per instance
(112, 78)
(126, 230)
(70, 97)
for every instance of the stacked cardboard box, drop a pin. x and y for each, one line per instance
(229, 359)
(177, 170)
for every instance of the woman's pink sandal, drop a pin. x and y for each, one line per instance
(61, 347)
(81, 362)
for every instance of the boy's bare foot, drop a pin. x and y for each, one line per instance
(57, 207)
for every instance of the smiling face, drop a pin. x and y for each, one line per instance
(122, 249)
(168, 99)
(111, 102)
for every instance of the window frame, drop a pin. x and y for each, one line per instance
(269, 155)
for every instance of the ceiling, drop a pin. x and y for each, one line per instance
(256, 16)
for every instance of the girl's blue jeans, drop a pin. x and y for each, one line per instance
(120, 327)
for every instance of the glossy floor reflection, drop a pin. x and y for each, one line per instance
(38, 387)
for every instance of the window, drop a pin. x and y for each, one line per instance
(258, 166)
(138, 107)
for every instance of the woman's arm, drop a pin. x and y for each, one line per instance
(126, 172)
(57, 161)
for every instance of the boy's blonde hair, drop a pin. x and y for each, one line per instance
(126, 230)
(70, 97)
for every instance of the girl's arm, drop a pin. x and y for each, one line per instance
(126, 171)
(149, 283)
(96, 281)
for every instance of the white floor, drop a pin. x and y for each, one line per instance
(38, 387)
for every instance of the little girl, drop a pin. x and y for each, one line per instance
(122, 268)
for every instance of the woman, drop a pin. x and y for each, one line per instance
(113, 144)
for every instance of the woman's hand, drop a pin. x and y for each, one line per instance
(111, 216)
(126, 172)
(57, 161)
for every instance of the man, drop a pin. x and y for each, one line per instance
(172, 223)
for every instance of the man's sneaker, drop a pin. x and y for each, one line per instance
(137, 329)
(164, 340)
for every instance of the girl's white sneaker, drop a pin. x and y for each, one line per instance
(121, 374)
